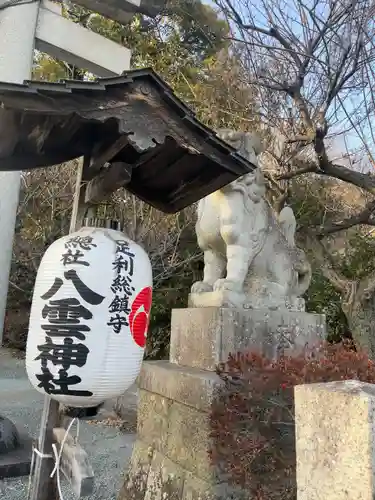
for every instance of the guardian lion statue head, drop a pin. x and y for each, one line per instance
(248, 145)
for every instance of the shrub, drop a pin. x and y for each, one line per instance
(252, 420)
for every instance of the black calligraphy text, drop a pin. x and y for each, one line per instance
(122, 288)
(65, 324)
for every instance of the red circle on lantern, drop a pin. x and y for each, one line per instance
(139, 316)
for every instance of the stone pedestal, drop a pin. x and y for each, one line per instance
(17, 462)
(170, 459)
(335, 441)
(15, 451)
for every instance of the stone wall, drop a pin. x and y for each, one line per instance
(171, 455)
(171, 458)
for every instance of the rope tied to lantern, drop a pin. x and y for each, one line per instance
(56, 455)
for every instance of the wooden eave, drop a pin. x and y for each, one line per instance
(134, 122)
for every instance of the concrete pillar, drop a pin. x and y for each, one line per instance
(17, 31)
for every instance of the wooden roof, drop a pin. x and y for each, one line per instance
(134, 119)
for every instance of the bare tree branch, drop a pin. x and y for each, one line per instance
(365, 217)
(359, 179)
(297, 172)
(317, 72)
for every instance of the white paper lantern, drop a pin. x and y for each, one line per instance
(89, 317)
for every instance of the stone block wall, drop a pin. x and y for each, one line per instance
(171, 457)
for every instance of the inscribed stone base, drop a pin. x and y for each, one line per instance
(205, 337)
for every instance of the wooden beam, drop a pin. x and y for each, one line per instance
(103, 156)
(108, 181)
(74, 464)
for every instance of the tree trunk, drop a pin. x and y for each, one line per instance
(358, 297)
(361, 322)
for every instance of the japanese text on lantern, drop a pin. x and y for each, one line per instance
(64, 328)
(122, 288)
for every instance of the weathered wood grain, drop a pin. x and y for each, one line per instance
(107, 182)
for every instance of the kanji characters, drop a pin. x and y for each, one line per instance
(122, 287)
(122, 284)
(117, 322)
(81, 242)
(65, 311)
(63, 323)
(119, 305)
(73, 257)
(85, 292)
(67, 354)
(48, 382)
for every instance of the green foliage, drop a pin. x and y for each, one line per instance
(187, 29)
(175, 44)
(198, 27)
(322, 298)
(358, 260)
(355, 261)
(47, 68)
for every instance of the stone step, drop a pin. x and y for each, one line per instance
(189, 386)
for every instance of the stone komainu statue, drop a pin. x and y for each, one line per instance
(250, 256)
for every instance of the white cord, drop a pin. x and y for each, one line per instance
(41, 455)
(56, 455)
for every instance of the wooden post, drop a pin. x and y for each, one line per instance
(79, 206)
(43, 486)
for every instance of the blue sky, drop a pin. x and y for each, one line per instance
(351, 139)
